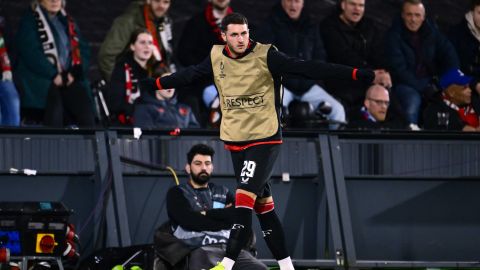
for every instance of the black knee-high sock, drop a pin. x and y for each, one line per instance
(273, 234)
(240, 232)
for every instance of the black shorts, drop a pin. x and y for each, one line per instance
(253, 168)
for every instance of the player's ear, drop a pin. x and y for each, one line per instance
(187, 168)
(224, 36)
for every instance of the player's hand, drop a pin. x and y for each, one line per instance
(366, 76)
(148, 84)
(383, 78)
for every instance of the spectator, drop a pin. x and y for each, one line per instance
(452, 110)
(200, 213)
(352, 39)
(9, 101)
(417, 53)
(52, 67)
(465, 37)
(375, 111)
(135, 64)
(151, 15)
(163, 111)
(201, 32)
(290, 29)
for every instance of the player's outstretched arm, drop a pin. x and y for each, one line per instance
(280, 63)
(184, 77)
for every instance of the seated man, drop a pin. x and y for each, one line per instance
(375, 112)
(452, 110)
(201, 216)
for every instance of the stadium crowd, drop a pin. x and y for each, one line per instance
(425, 78)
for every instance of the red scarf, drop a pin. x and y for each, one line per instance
(48, 39)
(131, 94)
(468, 116)
(466, 113)
(214, 22)
(74, 41)
(4, 59)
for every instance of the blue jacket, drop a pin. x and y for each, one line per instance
(437, 53)
(150, 112)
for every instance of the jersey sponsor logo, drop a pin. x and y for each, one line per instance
(222, 74)
(244, 102)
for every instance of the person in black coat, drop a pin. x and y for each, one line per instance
(136, 64)
(200, 33)
(465, 37)
(201, 214)
(354, 40)
(291, 30)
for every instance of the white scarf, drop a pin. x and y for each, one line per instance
(165, 34)
(46, 36)
(471, 25)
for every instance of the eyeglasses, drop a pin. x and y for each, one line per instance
(379, 102)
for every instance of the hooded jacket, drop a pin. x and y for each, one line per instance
(150, 112)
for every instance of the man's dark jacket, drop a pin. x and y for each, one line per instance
(300, 38)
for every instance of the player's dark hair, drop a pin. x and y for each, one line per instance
(233, 18)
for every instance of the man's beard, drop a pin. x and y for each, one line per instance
(200, 178)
